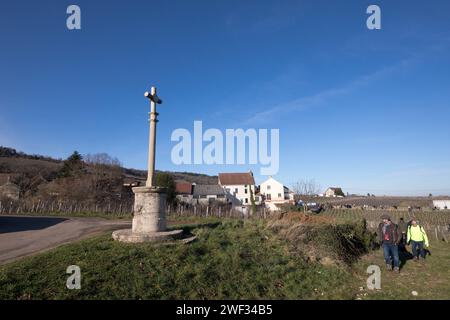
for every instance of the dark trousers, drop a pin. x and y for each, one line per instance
(391, 253)
(402, 244)
(417, 249)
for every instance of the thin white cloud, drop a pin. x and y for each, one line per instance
(418, 171)
(303, 103)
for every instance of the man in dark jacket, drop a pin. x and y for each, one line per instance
(402, 228)
(389, 237)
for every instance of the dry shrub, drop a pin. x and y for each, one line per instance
(298, 217)
(321, 239)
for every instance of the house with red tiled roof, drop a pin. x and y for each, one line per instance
(183, 187)
(184, 191)
(239, 187)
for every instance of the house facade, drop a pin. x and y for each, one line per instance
(184, 191)
(334, 192)
(239, 187)
(275, 193)
(441, 204)
(208, 194)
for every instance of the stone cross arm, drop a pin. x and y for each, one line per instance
(153, 96)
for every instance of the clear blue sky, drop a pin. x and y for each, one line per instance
(365, 110)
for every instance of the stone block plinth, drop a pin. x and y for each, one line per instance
(149, 209)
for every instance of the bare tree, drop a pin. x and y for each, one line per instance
(306, 187)
(105, 174)
(102, 159)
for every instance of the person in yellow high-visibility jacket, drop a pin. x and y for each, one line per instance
(417, 236)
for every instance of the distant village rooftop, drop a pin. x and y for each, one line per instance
(207, 190)
(229, 179)
(183, 187)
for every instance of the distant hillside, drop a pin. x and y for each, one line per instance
(6, 152)
(16, 163)
(379, 202)
(97, 178)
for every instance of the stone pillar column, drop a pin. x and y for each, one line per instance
(152, 139)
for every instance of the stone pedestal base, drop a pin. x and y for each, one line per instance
(129, 236)
(149, 209)
(149, 221)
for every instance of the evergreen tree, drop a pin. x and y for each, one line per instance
(72, 166)
(163, 179)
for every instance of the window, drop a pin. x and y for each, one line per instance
(246, 191)
(279, 195)
(268, 187)
(236, 190)
(220, 196)
(269, 196)
(246, 200)
(203, 197)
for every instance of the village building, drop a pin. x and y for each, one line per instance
(208, 194)
(441, 204)
(184, 191)
(8, 189)
(275, 193)
(334, 192)
(133, 181)
(239, 187)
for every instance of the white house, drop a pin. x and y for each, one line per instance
(239, 187)
(334, 192)
(275, 193)
(441, 204)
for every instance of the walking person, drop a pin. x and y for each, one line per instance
(403, 229)
(389, 238)
(418, 239)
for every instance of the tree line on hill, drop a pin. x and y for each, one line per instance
(92, 180)
(13, 153)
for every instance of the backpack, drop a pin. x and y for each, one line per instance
(387, 235)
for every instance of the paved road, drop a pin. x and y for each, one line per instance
(23, 235)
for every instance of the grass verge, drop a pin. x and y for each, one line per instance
(231, 259)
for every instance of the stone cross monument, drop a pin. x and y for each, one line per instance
(149, 221)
